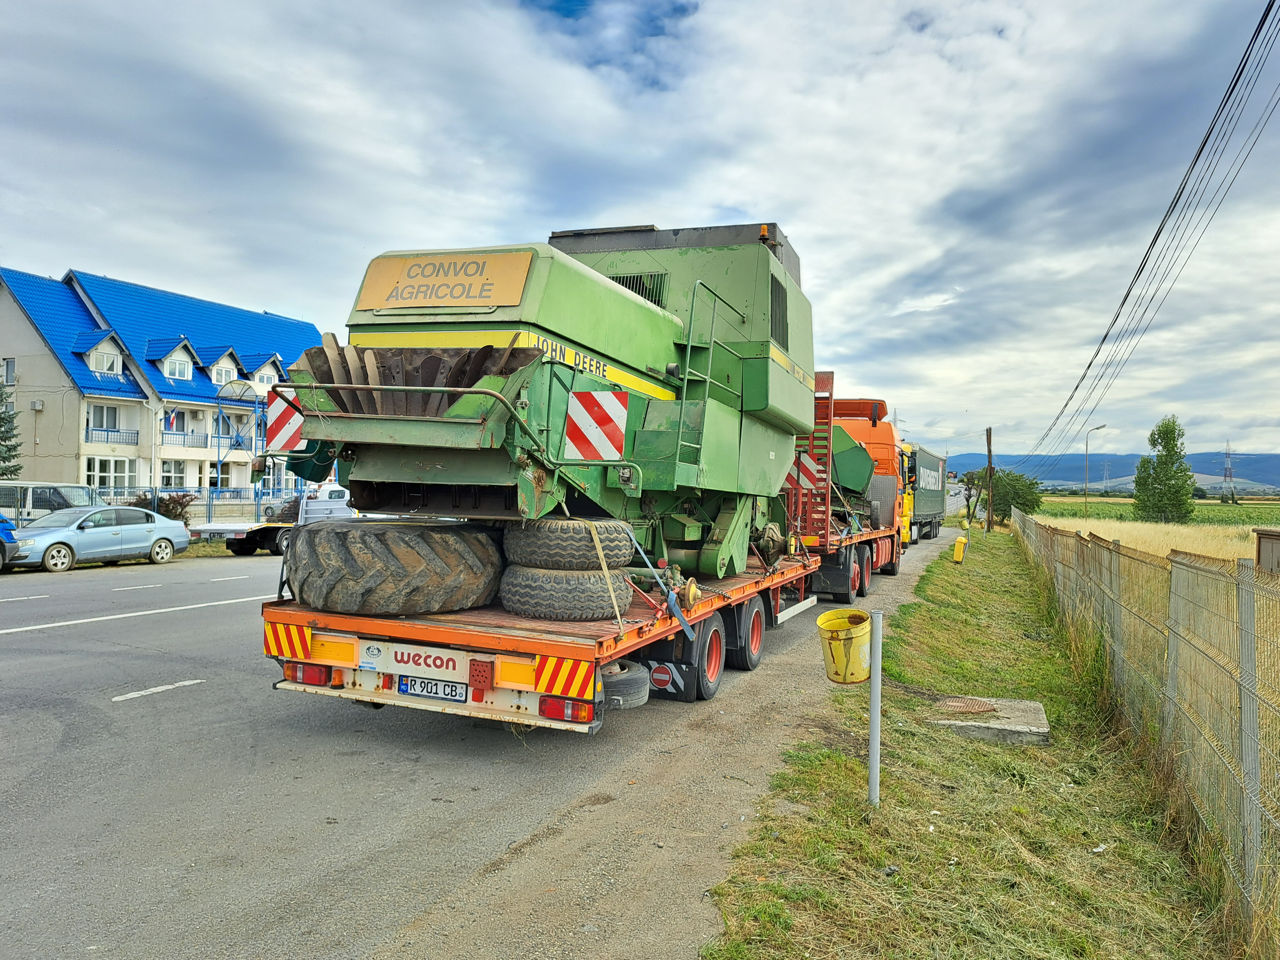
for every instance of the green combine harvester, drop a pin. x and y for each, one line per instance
(651, 381)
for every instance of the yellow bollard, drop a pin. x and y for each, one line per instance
(962, 543)
(846, 645)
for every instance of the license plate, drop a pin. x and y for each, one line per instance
(434, 689)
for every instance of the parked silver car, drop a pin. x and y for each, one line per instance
(58, 540)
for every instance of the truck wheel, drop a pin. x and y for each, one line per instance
(242, 548)
(709, 656)
(890, 569)
(935, 529)
(281, 542)
(391, 569)
(626, 684)
(864, 570)
(562, 594)
(747, 655)
(556, 544)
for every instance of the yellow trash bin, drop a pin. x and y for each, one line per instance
(846, 645)
(962, 544)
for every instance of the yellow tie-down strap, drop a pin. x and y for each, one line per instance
(286, 640)
(565, 678)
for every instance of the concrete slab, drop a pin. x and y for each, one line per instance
(1016, 722)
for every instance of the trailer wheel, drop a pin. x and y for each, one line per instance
(864, 570)
(556, 544)
(391, 569)
(935, 529)
(626, 684)
(746, 656)
(280, 544)
(242, 548)
(891, 568)
(709, 656)
(562, 594)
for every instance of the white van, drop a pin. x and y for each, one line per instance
(24, 500)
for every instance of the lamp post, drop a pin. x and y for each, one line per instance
(1086, 467)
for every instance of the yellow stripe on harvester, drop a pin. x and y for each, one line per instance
(472, 339)
(565, 678)
(286, 640)
(789, 365)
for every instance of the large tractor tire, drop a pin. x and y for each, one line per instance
(557, 544)
(391, 569)
(562, 594)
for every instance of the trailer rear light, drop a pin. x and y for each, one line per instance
(558, 708)
(388, 681)
(310, 673)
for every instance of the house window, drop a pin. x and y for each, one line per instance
(175, 368)
(102, 417)
(267, 378)
(175, 421)
(111, 472)
(222, 426)
(220, 476)
(8, 371)
(173, 473)
(223, 375)
(104, 362)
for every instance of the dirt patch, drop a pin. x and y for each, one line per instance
(624, 869)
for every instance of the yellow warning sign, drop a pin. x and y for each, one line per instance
(445, 280)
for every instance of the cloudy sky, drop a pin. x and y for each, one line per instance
(970, 184)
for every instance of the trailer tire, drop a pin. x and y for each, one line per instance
(242, 548)
(709, 656)
(751, 624)
(566, 544)
(391, 569)
(864, 570)
(626, 684)
(279, 543)
(562, 594)
(891, 568)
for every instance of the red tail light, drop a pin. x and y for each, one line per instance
(558, 708)
(309, 673)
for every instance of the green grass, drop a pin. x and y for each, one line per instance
(1206, 511)
(977, 850)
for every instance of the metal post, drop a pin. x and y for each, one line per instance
(1250, 762)
(873, 751)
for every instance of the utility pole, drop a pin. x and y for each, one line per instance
(991, 485)
(1228, 478)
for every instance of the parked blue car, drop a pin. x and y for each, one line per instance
(8, 542)
(58, 540)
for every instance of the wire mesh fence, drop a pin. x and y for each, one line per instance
(1192, 646)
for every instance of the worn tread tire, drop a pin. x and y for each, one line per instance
(242, 548)
(566, 544)
(562, 594)
(391, 569)
(626, 684)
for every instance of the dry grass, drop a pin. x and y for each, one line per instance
(1229, 542)
(977, 851)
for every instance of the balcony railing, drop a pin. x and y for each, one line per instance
(99, 435)
(236, 441)
(174, 438)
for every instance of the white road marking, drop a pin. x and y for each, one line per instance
(143, 693)
(144, 586)
(140, 613)
(39, 596)
(221, 579)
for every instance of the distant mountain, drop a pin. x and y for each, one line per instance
(1251, 470)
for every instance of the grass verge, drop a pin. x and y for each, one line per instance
(977, 850)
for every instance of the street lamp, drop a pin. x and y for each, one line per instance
(1086, 467)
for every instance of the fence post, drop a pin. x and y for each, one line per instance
(1250, 761)
(1172, 643)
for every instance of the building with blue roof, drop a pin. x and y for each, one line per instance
(121, 385)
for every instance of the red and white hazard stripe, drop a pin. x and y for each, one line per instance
(596, 424)
(805, 472)
(284, 425)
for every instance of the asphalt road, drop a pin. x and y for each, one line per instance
(161, 800)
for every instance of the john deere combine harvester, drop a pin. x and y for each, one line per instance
(654, 377)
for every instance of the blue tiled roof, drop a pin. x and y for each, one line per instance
(160, 347)
(208, 356)
(253, 362)
(84, 342)
(62, 319)
(139, 315)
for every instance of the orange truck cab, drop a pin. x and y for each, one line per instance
(864, 420)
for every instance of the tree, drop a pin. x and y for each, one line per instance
(1164, 484)
(10, 444)
(1014, 490)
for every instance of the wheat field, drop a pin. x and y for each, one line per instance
(1230, 542)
